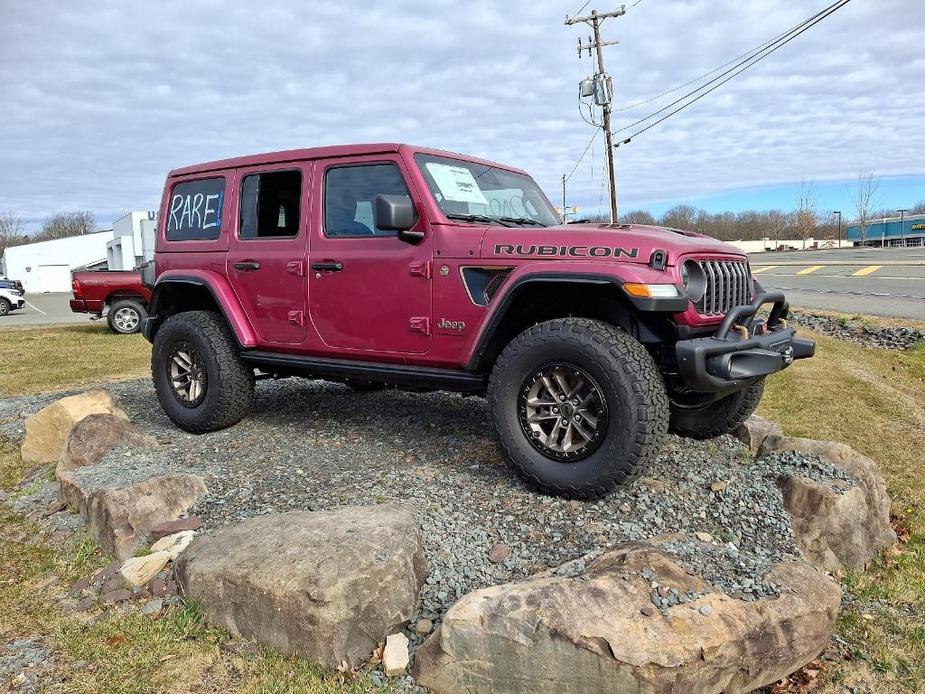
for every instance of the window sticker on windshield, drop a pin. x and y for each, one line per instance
(456, 183)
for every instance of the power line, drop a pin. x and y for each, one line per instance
(587, 147)
(799, 28)
(744, 65)
(737, 59)
(579, 10)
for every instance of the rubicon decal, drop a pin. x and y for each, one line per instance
(567, 251)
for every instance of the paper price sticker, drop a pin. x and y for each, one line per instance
(456, 183)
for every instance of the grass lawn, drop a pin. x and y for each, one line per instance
(873, 400)
(38, 360)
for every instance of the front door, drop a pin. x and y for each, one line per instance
(370, 291)
(266, 262)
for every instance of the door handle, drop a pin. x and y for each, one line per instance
(328, 266)
(247, 266)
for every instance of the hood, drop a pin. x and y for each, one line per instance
(624, 242)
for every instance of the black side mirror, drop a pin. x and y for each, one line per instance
(396, 213)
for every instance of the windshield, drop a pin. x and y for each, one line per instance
(479, 193)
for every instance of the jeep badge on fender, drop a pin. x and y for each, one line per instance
(589, 342)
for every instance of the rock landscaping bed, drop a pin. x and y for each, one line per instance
(710, 535)
(858, 332)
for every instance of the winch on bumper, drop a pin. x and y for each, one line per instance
(742, 349)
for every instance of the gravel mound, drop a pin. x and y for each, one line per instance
(315, 446)
(855, 331)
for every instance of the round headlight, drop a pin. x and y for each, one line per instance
(694, 280)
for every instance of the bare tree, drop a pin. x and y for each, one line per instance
(680, 217)
(637, 217)
(65, 224)
(864, 196)
(12, 230)
(806, 216)
(777, 223)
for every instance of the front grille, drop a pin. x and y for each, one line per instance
(729, 283)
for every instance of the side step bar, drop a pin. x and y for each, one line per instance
(393, 374)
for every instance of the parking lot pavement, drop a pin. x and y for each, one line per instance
(44, 309)
(884, 282)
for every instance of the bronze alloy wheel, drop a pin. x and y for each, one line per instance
(563, 412)
(186, 374)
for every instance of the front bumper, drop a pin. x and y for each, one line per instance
(742, 350)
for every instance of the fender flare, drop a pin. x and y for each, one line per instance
(501, 306)
(222, 294)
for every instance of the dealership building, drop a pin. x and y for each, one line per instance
(902, 230)
(46, 266)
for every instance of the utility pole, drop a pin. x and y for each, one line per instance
(564, 208)
(902, 219)
(838, 236)
(601, 88)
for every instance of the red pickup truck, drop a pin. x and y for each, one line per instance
(119, 292)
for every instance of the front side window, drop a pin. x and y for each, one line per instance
(350, 193)
(195, 210)
(479, 192)
(270, 204)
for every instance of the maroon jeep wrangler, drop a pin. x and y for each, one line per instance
(391, 265)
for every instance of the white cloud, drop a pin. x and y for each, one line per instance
(102, 99)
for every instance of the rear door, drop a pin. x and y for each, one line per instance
(266, 262)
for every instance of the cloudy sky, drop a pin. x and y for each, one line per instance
(101, 99)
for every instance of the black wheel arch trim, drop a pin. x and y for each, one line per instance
(647, 304)
(151, 324)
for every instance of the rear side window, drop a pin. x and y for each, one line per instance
(195, 211)
(270, 204)
(349, 192)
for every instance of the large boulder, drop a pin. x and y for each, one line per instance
(326, 585)
(759, 434)
(838, 529)
(122, 499)
(121, 517)
(88, 441)
(598, 631)
(47, 429)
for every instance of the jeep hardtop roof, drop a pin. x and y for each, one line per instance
(328, 152)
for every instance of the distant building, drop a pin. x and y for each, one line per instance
(889, 232)
(46, 266)
(133, 241)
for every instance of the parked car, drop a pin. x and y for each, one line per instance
(395, 265)
(119, 293)
(15, 285)
(10, 300)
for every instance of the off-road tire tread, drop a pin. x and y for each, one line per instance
(110, 314)
(718, 418)
(235, 379)
(623, 354)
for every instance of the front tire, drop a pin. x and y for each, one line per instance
(124, 317)
(610, 383)
(5, 307)
(716, 418)
(200, 379)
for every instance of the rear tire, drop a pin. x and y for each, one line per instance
(5, 307)
(124, 317)
(627, 423)
(200, 379)
(718, 417)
